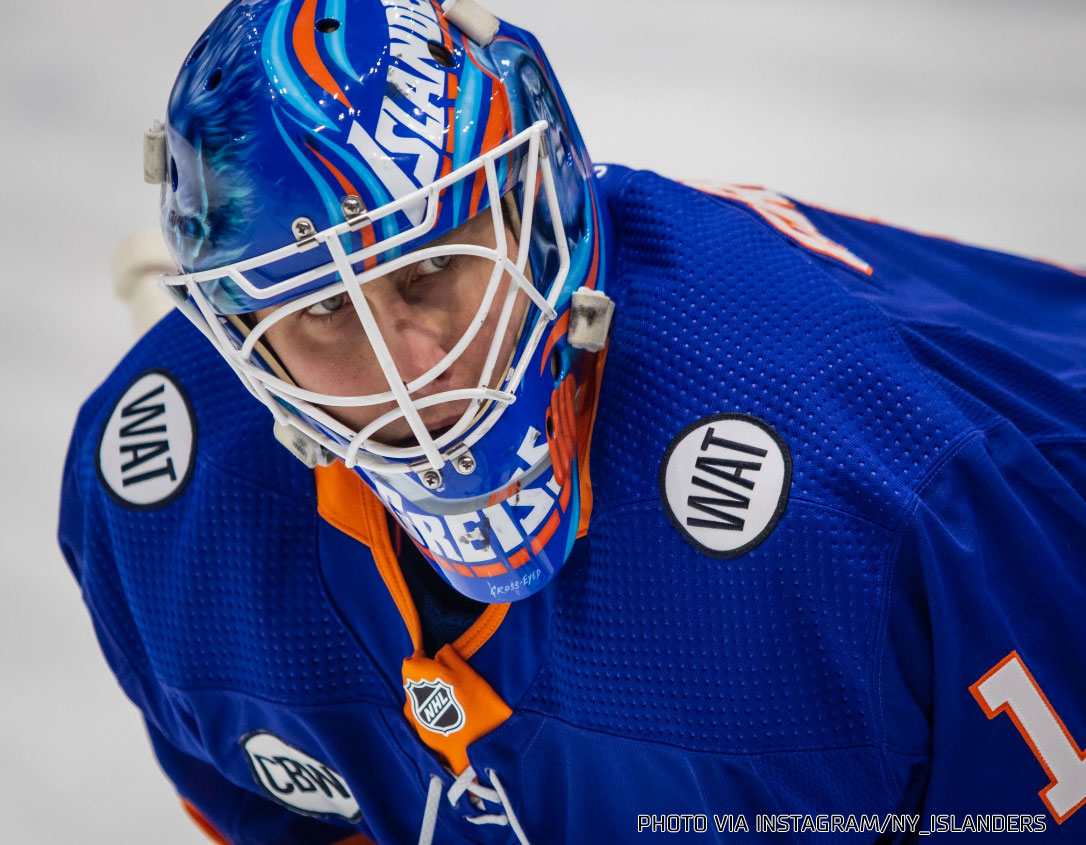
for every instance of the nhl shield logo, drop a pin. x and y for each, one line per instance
(435, 706)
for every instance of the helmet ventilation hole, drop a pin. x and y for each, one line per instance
(197, 51)
(173, 173)
(556, 364)
(213, 80)
(327, 25)
(440, 54)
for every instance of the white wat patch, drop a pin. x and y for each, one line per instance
(724, 482)
(148, 445)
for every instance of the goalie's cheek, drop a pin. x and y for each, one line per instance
(326, 354)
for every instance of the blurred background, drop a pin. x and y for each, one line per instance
(960, 117)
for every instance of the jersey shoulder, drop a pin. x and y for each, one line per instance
(170, 405)
(193, 533)
(870, 349)
(720, 312)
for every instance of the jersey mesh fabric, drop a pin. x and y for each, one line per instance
(774, 647)
(1041, 405)
(732, 653)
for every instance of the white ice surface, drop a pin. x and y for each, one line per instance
(966, 118)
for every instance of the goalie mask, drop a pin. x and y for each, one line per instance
(361, 158)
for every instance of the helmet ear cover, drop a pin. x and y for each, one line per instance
(274, 120)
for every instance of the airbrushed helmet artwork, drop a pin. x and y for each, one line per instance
(315, 147)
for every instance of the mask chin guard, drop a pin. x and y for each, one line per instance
(590, 319)
(308, 451)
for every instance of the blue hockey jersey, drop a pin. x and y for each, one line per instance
(901, 636)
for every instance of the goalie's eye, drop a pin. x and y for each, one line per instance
(327, 306)
(428, 266)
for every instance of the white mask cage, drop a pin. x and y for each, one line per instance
(357, 447)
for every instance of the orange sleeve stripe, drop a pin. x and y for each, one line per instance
(305, 45)
(202, 823)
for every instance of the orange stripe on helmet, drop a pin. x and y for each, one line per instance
(477, 192)
(561, 326)
(590, 282)
(548, 531)
(498, 128)
(499, 123)
(452, 89)
(368, 236)
(502, 495)
(305, 45)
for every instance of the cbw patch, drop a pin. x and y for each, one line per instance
(435, 706)
(148, 445)
(724, 482)
(296, 780)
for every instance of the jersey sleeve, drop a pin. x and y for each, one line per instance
(224, 811)
(983, 659)
(234, 816)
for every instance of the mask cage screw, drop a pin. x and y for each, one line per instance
(462, 460)
(304, 230)
(430, 478)
(353, 208)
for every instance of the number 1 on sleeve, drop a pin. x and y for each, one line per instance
(1008, 687)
